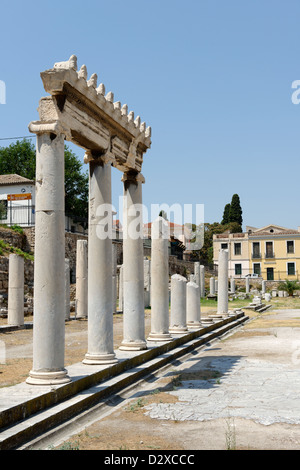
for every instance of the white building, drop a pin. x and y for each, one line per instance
(17, 197)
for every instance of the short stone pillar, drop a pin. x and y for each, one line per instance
(263, 286)
(100, 295)
(121, 295)
(67, 289)
(178, 321)
(159, 281)
(133, 265)
(247, 282)
(193, 307)
(114, 277)
(223, 283)
(232, 285)
(49, 260)
(15, 312)
(212, 289)
(216, 285)
(197, 273)
(81, 279)
(202, 281)
(147, 282)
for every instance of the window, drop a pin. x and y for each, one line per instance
(256, 268)
(255, 250)
(224, 246)
(237, 249)
(238, 269)
(269, 250)
(290, 247)
(291, 269)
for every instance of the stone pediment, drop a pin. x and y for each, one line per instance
(91, 119)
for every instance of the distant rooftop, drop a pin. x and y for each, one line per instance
(14, 179)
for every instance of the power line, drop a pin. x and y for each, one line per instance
(15, 138)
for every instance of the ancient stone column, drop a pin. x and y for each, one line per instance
(247, 282)
(15, 312)
(159, 281)
(133, 265)
(178, 305)
(193, 307)
(197, 273)
(263, 287)
(223, 282)
(82, 279)
(216, 285)
(114, 277)
(147, 282)
(232, 285)
(121, 295)
(202, 281)
(67, 289)
(100, 295)
(212, 290)
(49, 261)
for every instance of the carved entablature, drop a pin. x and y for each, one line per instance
(90, 118)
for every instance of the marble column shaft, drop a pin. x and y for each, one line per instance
(193, 307)
(223, 282)
(100, 295)
(82, 279)
(178, 322)
(133, 266)
(49, 263)
(159, 281)
(202, 281)
(15, 313)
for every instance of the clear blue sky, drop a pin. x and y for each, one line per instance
(211, 77)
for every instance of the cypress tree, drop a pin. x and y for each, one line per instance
(235, 212)
(225, 219)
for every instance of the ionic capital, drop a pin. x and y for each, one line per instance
(133, 178)
(48, 127)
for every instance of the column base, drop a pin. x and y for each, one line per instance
(159, 337)
(194, 325)
(178, 330)
(100, 359)
(133, 345)
(48, 378)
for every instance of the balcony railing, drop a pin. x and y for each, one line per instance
(269, 255)
(256, 255)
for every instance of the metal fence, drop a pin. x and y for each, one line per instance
(24, 216)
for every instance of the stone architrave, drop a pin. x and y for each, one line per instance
(223, 283)
(193, 307)
(67, 289)
(133, 265)
(82, 279)
(159, 281)
(100, 285)
(15, 312)
(178, 322)
(212, 290)
(202, 281)
(49, 260)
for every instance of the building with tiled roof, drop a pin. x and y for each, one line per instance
(271, 252)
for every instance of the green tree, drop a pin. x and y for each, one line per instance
(20, 158)
(235, 212)
(289, 286)
(225, 219)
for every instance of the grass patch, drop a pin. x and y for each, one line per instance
(7, 248)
